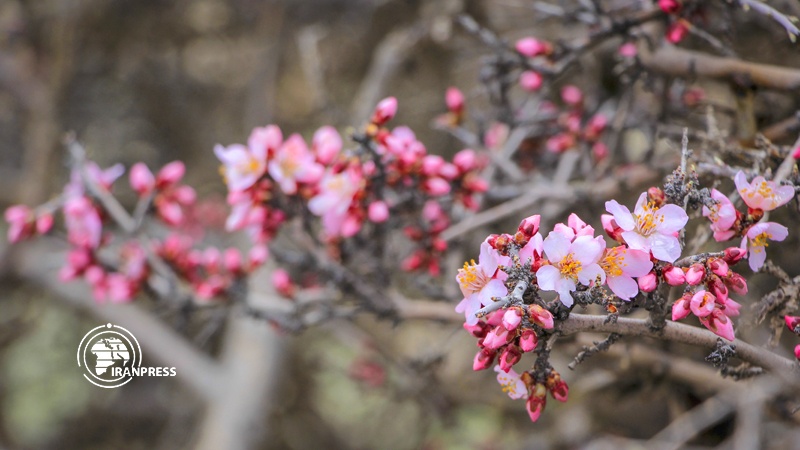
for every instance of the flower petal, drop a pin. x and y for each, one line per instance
(590, 273)
(547, 276)
(556, 246)
(623, 287)
(622, 215)
(636, 263)
(666, 248)
(674, 219)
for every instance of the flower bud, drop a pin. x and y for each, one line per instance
(677, 31)
(283, 283)
(793, 322)
(170, 174)
(695, 274)
(454, 100)
(540, 316)
(44, 223)
(497, 338)
(571, 95)
(529, 226)
(611, 228)
(536, 402)
(733, 255)
(483, 360)
(797, 351)
(558, 388)
(466, 160)
(648, 283)
(141, 179)
(702, 303)
(718, 288)
(530, 81)
(478, 330)
(385, 111)
(669, 6)
(378, 211)
(232, 260)
(737, 283)
(657, 196)
(674, 276)
(718, 266)
(680, 309)
(512, 319)
(510, 356)
(532, 47)
(528, 340)
(731, 308)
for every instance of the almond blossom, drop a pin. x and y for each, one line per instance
(722, 216)
(334, 199)
(621, 264)
(83, 223)
(480, 282)
(650, 228)
(762, 194)
(241, 166)
(511, 383)
(570, 263)
(294, 163)
(755, 241)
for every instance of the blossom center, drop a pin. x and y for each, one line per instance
(647, 222)
(764, 190)
(471, 277)
(612, 263)
(509, 387)
(761, 240)
(569, 266)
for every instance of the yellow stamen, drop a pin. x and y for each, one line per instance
(612, 262)
(647, 221)
(569, 266)
(760, 241)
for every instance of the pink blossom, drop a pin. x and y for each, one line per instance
(755, 241)
(571, 95)
(142, 179)
(702, 303)
(647, 283)
(621, 264)
(719, 323)
(265, 140)
(674, 276)
(83, 223)
(294, 163)
(677, 31)
(334, 199)
(722, 216)
(44, 222)
(511, 383)
(498, 337)
(512, 319)
(669, 6)
(480, 282)
(378, 211)
(242, 166)
(575, 227)
(436, 186)
(509, 356)
(326, 144)
(454, 100)
(533, 250)
(532, 47)
(104, 177)
(570, 263)
(20, 220)
(540, 316)
(384, 111)
(530, 80)
(528, 340)
(529, 226)
(257, 256)
(496, 136)
(283, 283)
(695, 274)
(483, 359)
(651, 228)
(170, 174)
(762, 194)
(680, 309)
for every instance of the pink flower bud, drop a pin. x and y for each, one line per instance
(718, 288)
(44, 223)
(737, 283)
(532, 47)
(677, 31)
(680, 309)
(257, 256)
(600, 151)
(558, 388)
(351, 226)
(571, 95)
(497, 338)
(536, 402)
(702, 303)
(282, 283)
(141, 179)
(648, 283)
(454, 100)
(718, 266)
(385, 111)
(528, 340)
(733, 255)
(530, 81)
(560, 143)
(731, 308)
(695, 274)
(510, 356)
(466, 160)
(529, 225)
(212, 259)
(326, 144)
(796, 155)
(478, 330)
(611, 228)
(378, 211)
(511, 319)
(628, 50)
(170, 174)
(449, 171)
(793, 323)
(669, 6)
(232, 260)
(719, 324)
(436, 186)
(674, 276)
(431, 164)
(597, 124)
(413, 261)
(797, 351)
(540, 316)
(483, 360)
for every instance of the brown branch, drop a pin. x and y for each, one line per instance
(671, 60)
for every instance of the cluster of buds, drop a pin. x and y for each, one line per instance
(679, 26)
(793, 323)
(707, 296)
(211, 271)
(760, 196)
(532, 49)
(170, 197)
(575, 128)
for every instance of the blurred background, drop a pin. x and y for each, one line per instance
(156, 81)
